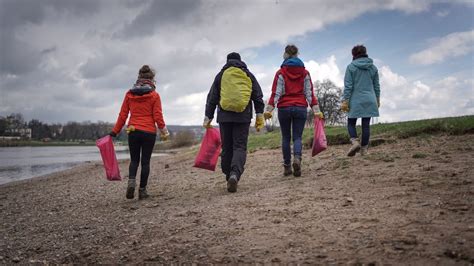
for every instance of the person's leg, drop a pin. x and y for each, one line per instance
(299, 115)
(134, 148)
(240, 135)
(365, 135)
(227, 144)
(148, 142)
(351, 127)
(284, 117)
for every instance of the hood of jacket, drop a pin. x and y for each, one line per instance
(363, 63)
(142, 87)
(293, 68)
(234, 63)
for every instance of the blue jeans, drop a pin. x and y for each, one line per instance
(351, 127)
(291, 118)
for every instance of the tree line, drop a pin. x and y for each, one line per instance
(71, 131)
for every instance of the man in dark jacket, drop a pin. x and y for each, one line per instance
(234, 84)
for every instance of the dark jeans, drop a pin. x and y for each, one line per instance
(234, 147)
(140, 142)
(351, 127)
(292, 119)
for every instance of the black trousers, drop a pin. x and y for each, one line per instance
(140, 142)
(234, 138)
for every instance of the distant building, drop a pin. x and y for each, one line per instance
(23, 133)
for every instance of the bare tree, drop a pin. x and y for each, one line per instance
(329, 97)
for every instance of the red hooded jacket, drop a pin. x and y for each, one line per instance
(294, 78)
(145, 110)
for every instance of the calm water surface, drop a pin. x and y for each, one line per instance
(18, 163)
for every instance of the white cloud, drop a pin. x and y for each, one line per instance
(442, 13)
(402, 99)
(452, 45)
(85, 61)
(326, 70)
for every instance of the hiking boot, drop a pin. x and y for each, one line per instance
(131, 188)
(232, 183)
(354, 148)
(287, 170)
(142, 194)
(297, 166)
(364, 150)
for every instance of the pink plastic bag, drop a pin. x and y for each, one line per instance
(319, 141)
(107, 151)
(209, 151)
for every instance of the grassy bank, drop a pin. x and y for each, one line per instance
(338, 135)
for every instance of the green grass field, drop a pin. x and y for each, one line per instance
(338, 135)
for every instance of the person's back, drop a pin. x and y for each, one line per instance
(361, 97)
(143, 104)
(292, 93)
(233, 91)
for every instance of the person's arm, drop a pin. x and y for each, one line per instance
(257, 96)
(158, 113)
(278, 89)
(309, 91)
(122, 118)
(213, 98)
(377, 85)
(348, 85)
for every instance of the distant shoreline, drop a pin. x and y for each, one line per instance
(44, 144)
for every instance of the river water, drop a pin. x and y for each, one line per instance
(17, 163)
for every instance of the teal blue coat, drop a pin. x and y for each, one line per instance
(362, 88)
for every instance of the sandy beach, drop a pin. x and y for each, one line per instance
(408, 202)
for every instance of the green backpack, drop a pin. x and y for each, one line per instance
(236, 88)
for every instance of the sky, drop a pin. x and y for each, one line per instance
(68, 60)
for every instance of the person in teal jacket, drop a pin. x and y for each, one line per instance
(361, 97)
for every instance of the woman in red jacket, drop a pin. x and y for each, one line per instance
(292, 93)
(144, 105)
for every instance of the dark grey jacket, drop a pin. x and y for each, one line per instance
(213, 98)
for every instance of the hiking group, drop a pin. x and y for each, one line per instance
(233, 91)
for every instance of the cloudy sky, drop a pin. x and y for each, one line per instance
(68, 60)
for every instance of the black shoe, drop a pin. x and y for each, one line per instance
(130, 189)
(232, 184)
(287, 170)
(297, 166)
(142, 194)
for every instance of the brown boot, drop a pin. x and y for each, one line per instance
(287, 170)
(297, 166)
(355, 148)
(131, 188)
(364, 150)
(142, 193)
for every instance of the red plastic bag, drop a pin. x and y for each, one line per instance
(319, 141)
(107, 151)
(209, 151)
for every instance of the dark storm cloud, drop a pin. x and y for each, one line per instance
(160, 13)
(18, 57)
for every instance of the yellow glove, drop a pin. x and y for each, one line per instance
(130, 129)
(259, 122)
(317, 112)
(207, 122)
(267, 115)
(164, 134)
(268, 112)
(345, 106)
(378, 102)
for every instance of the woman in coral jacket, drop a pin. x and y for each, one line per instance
(144, 105)
(292, 93)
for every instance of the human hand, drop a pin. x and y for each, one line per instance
(164, 134)
(112, 134)
(268, 112)
(207, 122)
(345, 106)
(259, 122)
(317, 112)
